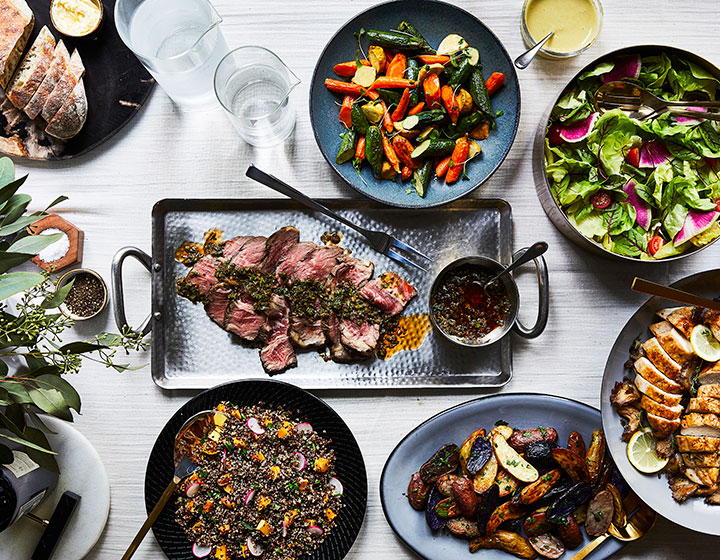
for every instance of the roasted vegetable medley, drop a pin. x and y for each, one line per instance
(516, 490)
(411, 110)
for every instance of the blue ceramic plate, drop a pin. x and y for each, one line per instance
(522, 410)
(435, 20)
(694, 514)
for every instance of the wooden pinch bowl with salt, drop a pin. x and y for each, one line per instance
(64, 252)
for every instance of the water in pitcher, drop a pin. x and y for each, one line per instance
(181, 44)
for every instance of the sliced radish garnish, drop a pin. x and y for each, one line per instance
(192, 490)
(200, 551)
(255, 427)
(249, 496)
(315, 531)
(304, 428)
(223, 459)
(300, 461)
(284, 529)
(337, 486)
(254, 548)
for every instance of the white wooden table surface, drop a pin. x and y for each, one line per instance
(166, 152)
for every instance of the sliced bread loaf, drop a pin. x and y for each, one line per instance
(55, 72)
(32, 69)
(70, 119)
(16, 24)
(64, 87)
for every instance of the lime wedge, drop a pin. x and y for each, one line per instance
(706, 346)
(641, 452)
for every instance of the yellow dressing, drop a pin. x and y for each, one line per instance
(75, 17)
(575, 23)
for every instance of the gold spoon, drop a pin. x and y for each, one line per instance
(673, 294)
(204, 425)
(638, 523)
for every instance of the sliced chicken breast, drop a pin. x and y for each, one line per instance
(656, 394)
(712, 319)
(710, 391)
(654, 376)
(661, 359)
(675, 344)
(705, 405)
(654, 407)
(705, 476)
(695, 424)
(682, 318)
(701, 459)
(697, 444)
(710, 375)
(662, 427)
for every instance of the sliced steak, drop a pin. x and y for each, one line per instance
(202, 274)
(388, 292)
(251, 254)
(277, 355)
(317, 265)
(305, 332)
(232, 246)
(217, 303)
(359, 337)
(353, 271)
(278, 244)
(290, 259)
(242, 320)
(338, 352)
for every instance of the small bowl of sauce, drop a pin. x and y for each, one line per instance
(471, 313)
(576, 25)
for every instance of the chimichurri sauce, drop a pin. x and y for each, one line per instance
(464, 309)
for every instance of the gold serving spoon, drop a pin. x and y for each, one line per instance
(673, 294)
(637, 524)
(203, 426)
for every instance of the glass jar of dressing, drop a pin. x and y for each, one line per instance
(576, 25)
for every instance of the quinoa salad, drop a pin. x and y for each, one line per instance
(265, 487)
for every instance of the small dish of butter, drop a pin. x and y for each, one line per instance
(76, 18)
(575, 25)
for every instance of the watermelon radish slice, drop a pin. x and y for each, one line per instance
(579, 130)
(625, 67)
(642, 210)
(689, 120)
(200, 551)
(653, 154)
(695, 223)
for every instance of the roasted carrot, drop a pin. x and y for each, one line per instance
(433, 58)
(403, 148)
(431, 87)
(399, 111)
(390, 153)
(392, 83)
(347, 69)
(406, 173)
(348, 88)
(451, 104)
(417, 108)
(442, 166)
(386, 120)
(396, 68)
(346, 110)
(495, 82)
(360, 149)
(459, 157)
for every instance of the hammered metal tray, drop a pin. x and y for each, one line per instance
(190, 352)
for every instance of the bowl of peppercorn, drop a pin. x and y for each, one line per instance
(87, 296)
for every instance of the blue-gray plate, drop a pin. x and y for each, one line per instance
(521, 410)
(694, 514)
(435, 20)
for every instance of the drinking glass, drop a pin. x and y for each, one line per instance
(178, 41)
(253, 85)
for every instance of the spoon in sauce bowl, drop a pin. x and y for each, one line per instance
(533, 252)
(525, 58)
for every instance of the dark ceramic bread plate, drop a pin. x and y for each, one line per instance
(435, 20)
(694, 514)
(520, 410)
(117, 86)
(349, 466)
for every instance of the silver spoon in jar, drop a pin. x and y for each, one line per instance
(532, 252)
(525, 58)
(197, 428)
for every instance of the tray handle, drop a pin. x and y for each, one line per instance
(543, 302)
(118, 292)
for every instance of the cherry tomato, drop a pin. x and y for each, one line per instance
(601, 200)
(655, 243)
(717, 205)
(554, 135)
(633, 157)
